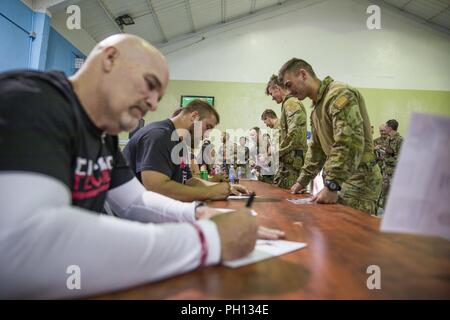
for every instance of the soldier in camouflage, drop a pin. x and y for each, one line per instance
(390, 151)
(341, 140)
(380, 146)
(270, 119)
(292, 134)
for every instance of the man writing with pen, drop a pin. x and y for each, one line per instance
(158, 155)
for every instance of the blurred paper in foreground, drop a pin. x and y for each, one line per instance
(419, 198)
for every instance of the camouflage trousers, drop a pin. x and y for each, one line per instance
(362, 190)
(266, 179)
(285, 177)
(386, 185)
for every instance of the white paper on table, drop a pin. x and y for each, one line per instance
(243, 196)
(301, 201)
(226, 210)
(266, 249)
(419, 199)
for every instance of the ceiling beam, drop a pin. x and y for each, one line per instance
(253, 6)
(404, 6)
(189, 14)
(223, 13)
(157, 22)
(442, 11)
(49, 6)
(109, 15)
(410, 15)
(187, 40)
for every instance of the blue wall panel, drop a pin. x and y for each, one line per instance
(61, 54)
(39, 46)
(17, 12)
(14, 47)
(49, 51)
(15, 25)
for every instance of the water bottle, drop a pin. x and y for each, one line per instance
(231, 175)
(203, 173)
(224, 168)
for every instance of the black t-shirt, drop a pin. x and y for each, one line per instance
(44, 129)
(152, 147)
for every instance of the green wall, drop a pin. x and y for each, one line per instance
(240, 104)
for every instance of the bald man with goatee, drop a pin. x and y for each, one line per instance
(60, 162)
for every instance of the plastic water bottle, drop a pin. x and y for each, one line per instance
(224, 168)
(203, 173)
(231, 175)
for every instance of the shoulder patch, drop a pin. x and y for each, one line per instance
(341, 102)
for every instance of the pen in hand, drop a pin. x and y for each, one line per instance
(250, 200)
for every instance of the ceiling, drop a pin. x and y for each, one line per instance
(162, 22)
(435, 12)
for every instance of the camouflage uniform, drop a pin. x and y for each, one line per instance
(266, 179)
(391, 151)
(380, 153)
(293, 145)
(342, 144)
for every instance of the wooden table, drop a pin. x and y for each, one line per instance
(342, 243)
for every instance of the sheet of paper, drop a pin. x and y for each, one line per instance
(266, 249)
(419, 198)
(226, 210)
(301, 201)
(244, 196)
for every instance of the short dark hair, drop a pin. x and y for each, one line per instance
(269, 113)
(256, 129)
(295, 65)
(273, 81)
(392, 124)
(177, 112)
(202, 107)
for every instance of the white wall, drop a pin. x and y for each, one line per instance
(332, 36)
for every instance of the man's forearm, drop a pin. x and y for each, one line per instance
(314, 162)
(181, 192)
(132, 201)
(110, 253)
(196, 182)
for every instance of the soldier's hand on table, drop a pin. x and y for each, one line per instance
(219, 191)
(325, 196)
(218, 178)
(297, 188)
(238, 232)
(237, 190)
(270, 234)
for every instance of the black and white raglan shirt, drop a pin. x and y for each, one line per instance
(57, 169)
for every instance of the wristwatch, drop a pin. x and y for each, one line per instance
(332, 185)
(198, 204)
